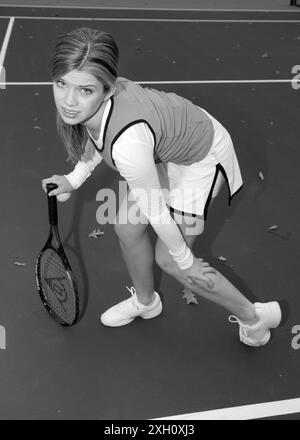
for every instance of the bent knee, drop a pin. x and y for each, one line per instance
(164, 260)
(129, 233)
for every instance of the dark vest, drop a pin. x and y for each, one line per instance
(182, 132)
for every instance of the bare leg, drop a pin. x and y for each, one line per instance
(223, 293)
(137, 252)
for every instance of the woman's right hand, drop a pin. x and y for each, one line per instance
(63, 185)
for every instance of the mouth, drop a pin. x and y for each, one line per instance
(69, 114)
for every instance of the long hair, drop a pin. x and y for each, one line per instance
(88, 50)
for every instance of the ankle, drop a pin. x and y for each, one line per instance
(146, 300)
(249, 318)
(252, 322)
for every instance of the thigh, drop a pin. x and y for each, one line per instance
(191, 228)
(218, 184)
(130, 222)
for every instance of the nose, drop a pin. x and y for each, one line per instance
(70, 97)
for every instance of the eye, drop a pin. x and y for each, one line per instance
(86, 91)
(60, 83)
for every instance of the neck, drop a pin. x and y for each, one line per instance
(93, 123)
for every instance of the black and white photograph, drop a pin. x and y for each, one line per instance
(150, 220)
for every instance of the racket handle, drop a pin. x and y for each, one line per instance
(52, 204)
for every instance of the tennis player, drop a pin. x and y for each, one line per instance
(173, 155)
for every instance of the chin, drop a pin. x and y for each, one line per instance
(71, 122)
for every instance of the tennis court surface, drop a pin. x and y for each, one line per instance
(188, 363)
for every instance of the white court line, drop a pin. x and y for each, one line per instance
(124, 8)
(225, 81)
(229, 81)
(170, 20)
(245, 412)
(6, 41)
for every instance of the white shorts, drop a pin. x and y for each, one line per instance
(188, 188)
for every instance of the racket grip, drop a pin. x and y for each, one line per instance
(52, 204)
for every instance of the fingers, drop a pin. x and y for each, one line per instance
(208, 269)
(55, 192)
(48, 180)
(204, 276)
(208, 282)
(57, 181)
(205, 267)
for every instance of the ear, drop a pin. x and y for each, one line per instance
(110, 93)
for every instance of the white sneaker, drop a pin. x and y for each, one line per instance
(269, 315)
(126, 311)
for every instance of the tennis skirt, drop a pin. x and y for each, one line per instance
(189, 188)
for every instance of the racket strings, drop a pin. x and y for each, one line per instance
(57, 286)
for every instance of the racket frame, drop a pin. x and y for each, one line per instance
(54, 233)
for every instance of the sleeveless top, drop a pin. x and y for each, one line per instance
(182, 132)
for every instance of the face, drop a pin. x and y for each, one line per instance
(78, 95)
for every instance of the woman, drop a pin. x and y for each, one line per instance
(170, 152)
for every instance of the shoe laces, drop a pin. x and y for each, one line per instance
(129, 303)
(243, 328)
(132, 292)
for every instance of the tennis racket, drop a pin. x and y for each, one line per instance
(55, 281)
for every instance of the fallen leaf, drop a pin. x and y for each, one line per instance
(17, 263)
(273, 228)
(96, 233)
(223, 259)
(189, 296)
(261, 176)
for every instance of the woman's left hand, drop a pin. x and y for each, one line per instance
(199, 273)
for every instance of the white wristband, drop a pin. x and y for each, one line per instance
(183, 257)
(79, 175)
